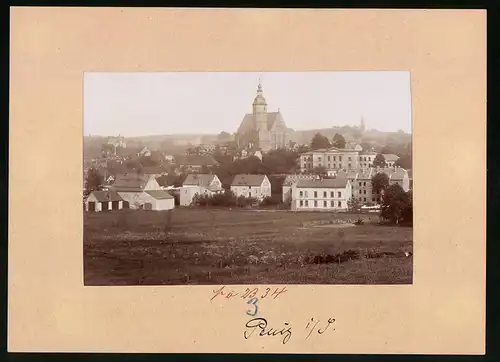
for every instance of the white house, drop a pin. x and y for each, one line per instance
(104, 200)
(257, 186)
(390, 159)
(321, 195)
(145, 152)
(292, 179)
(139, 191)
(201, 184)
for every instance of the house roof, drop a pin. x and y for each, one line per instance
(349, 174)
(391, 157)
(248, 180)
(153, 170)
(336, 183)
(130, 182)
(290, 179)
(194, 160)
(198, 180)
(103, 196)
(159, 194)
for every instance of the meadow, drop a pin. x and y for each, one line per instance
(240, 246)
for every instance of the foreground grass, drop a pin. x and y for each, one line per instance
(238, 247)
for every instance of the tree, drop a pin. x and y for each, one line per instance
(94, 181)
(224, 137)
(353, 204)
(396, 202)
(380, 182)
(379, 161)
(404, 161)
(319, 141)
(338, 141)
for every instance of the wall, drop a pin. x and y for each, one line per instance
(135, 199)
(254, 191)
(345, 195)
(164, 204)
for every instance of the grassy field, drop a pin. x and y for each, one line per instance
(243, 247)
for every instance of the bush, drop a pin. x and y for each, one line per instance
(359, 221)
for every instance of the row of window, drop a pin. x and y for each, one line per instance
(325, 194)
(315, 203)
(334, 158)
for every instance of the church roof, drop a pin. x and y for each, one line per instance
(248, 124)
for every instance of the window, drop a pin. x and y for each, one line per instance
(331, 194)
(334, 157)
(364, 183)
(340, 158)
(328, 158)
(301, 203)
(334, 165)
(305, 194)
(365, 199)
(307, 203)
(349, 165)
(364, 158)
(349, 159)
(324, 193)
(328, 165)
(301, 193)
(340, 203)
(332, 203)
(373, 199)
(339, 194)
(315, 203)
(359, 184)
(319, 158)
(315, 194)
(364, 191)
(324, 204)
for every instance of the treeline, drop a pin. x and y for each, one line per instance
(229, 199)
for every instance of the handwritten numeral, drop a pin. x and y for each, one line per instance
(253, 302)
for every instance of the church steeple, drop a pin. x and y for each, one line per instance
(259, 98)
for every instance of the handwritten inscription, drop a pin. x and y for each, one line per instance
(260, 327)
(253, 302)
(249, 293)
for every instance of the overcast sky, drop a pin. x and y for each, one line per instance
(140, 104)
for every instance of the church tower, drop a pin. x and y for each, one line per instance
(260, 119)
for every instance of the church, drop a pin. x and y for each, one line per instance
(262, 130)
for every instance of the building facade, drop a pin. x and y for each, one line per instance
(291, 180)
(251, 186)
(198, 184)
(261, 129)
(321, 195)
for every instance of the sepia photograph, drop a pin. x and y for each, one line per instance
(207, 178)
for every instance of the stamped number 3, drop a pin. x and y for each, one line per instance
(253, 302)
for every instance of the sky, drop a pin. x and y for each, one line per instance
(142, 104)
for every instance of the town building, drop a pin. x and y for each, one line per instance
(255, 186)
(199, 184)
(332, 159)
(117, 142)
(361, 180)
(321, 195)
(390, 159)
(196, 163)
(293, 179)
(140, 191)
(104, 200)
(366, 159)
(262, 129)
(250, 153)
